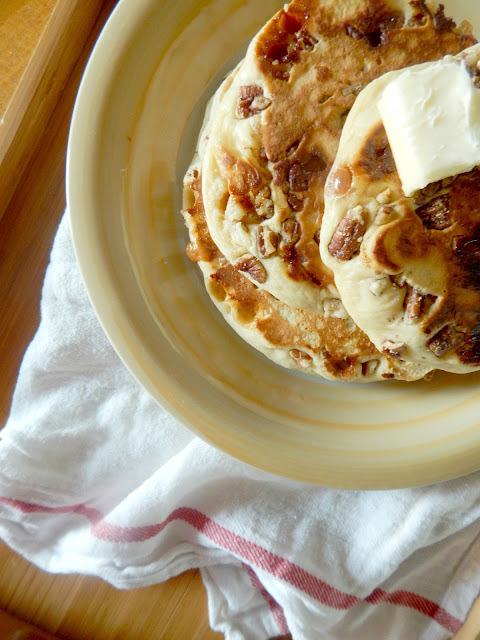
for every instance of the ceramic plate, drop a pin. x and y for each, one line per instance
(133, 133)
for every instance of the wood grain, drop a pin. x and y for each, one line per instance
(40, 41)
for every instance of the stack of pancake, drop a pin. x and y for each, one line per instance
(270, 187)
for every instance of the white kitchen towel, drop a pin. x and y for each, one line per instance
(96, 478)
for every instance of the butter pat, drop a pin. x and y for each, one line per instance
(431, 115)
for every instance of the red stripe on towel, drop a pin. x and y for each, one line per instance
(249, 552)
(275, 608)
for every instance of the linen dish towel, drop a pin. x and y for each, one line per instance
(96, 478)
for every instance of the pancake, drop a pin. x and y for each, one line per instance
(275, 135)
(407, 268)
(327, 344)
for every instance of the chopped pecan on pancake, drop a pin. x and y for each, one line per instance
(469, 352)
(294, 202)
(251, 265)
(441, 22)
(301, 358)
(417, 304)
(285, 38)
(264, 203)
(242, 177)
(394, 349)
(290, 231)
(384, 197)
(384, 215)
(341, 367)
(467, 252)
(300, 170)
(445, 340)
(251, 101)
(372, 25)
(267, 241)
(436, 213)
(369, 367)
(346, 240)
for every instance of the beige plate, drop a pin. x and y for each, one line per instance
(133, 133)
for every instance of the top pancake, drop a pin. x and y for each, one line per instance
(408, 269)
(275, 135)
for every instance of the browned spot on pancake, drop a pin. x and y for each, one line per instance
(400, 242)
(376, 158)
(202, 247)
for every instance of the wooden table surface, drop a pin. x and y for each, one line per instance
(44, 46)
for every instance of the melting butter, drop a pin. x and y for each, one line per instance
(431, 115)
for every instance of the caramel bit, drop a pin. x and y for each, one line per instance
(340, 182)
(251, 101)
(436, 213)
(198, 251)
(445, 340)
(303, 359)
(394, 349)
(253, 267)
(346, 240)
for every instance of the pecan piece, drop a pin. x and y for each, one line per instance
(242, 177)
(384, 215)
(436, 213)
(413, 305)
(369, 367)
(294, 202)
(264, 204)
(298, 178)
(267, 241)
(346, 240)
(290, 231)
(301, 358)
(251, 265)
(431, 189)
(394, 349)
(445, 340)
(384, 197)
(251, 101)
